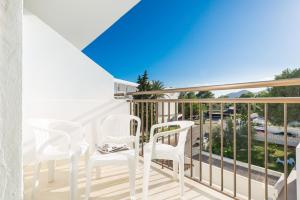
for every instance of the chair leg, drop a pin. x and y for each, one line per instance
(86, 157)
(181, 177)
(51, 171)
(73, 177)
(88, 172)
(147, 164)
(132, 172)
(175, 169)
(98, 172)
(35, 179)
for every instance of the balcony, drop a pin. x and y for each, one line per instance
(211, 172)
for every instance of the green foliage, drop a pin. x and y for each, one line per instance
(187, 106)
(248, 95)
(146, 85)
(157, 85)
(241, 138)
(205, 95)
(195, 107)
(276, 110)
(223, 97)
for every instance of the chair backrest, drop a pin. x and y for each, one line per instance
(44, 133)
(73, 129)
(183, 131)
(116, 129)
(180, 127)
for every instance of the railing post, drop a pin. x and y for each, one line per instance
(147, 121)
(249, 152)
(285, 153)
(200, 141)
(176, 118)
(266, 152)
(162, 121)
(222, 145)
(143, 130)
(234, 150)
(151, 117)
(210, 144)
(191, 138)
(169, 135)
(298, 170)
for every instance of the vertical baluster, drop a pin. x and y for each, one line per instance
(266, 151)
(222, 146)
(210, 144)
(182, 110)
(151, 113)
(130, 111)
(138, 109)
(191, 138)
(143, 131)
(162, 121)
(147, 121)
(157, 112)
(249, 152)
(285, 153)
(234, 150)
(168, 121)
(176, 118)
(201, 140)
(163, 112)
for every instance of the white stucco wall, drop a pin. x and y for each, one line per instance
(10, 99)
(80, 21)
(60, 82)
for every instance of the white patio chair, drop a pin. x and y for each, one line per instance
(155, 150)
(58, 140)
(115, 129)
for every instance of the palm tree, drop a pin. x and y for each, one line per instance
(157, 85)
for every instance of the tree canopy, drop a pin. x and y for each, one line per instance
(146, 85)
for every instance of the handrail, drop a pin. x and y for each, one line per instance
(224, 100)
(246, 85)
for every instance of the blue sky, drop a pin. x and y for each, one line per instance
(194, 42)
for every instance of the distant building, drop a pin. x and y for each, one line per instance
(163, 108)
(122, 86)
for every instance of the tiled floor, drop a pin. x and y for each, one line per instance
(113, 185)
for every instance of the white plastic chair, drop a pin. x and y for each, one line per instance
(58, 140)
(115, 129)
(155, 150)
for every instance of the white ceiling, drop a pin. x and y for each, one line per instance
(80, 21)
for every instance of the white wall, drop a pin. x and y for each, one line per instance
(60, 82)
(10, 99)
(80, 21)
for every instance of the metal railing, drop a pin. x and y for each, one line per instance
(152, 111)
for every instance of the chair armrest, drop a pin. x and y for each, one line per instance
(166, 133)
(187, 125)
(60, 136)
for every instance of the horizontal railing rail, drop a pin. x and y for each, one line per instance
(152, 111)
(247, 85)
(295, 100)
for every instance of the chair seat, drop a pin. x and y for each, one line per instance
(122, 156)
(161, 151)
(51, 153)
